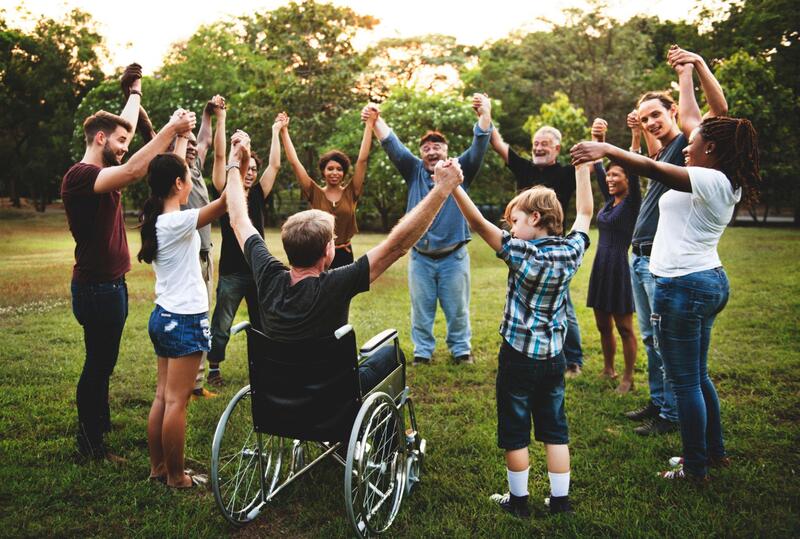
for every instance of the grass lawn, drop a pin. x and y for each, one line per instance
(754, 361)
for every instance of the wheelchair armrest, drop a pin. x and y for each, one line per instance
(241, 326)
(342, 331)
(377, 341)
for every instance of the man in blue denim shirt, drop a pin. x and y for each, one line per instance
(438, 268)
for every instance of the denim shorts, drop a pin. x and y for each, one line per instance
(177, 335)
(530, 389)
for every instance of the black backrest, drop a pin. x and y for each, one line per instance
(305, 390)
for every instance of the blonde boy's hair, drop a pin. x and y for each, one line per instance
(542, 200)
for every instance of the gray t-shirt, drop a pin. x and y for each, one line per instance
(310, 309)
(199, 198)
(647, 222)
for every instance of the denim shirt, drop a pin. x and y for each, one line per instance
(449, 226)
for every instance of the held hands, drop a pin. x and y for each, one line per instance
(587, 152)
(131, 79)
(216, 105)
(370, 113)
(633, 121)
(281, 122)
(681, 60)
(448, 174)
(182, 121)
(240, 151)
(599, 128)
(481, 104)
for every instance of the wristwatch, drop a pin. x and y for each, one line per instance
(230, 166)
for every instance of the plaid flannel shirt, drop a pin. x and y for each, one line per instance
(539, 271)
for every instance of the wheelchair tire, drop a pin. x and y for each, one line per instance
(241, 463)
(374, 479)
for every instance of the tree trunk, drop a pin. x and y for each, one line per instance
(12, 191)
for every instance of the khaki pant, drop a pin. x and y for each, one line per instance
(207, 269)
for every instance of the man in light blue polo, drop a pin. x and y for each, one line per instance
(438, 268)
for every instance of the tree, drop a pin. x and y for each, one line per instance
(753, 92)
(595, 60)
(45, 74)
(428, 63)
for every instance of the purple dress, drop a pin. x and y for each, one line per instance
(610, 283)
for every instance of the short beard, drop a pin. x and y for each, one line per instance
(109, 157)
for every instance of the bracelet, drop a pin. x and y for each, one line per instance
(230, 167)
(637, 150)
(137, 92)
(183, 136)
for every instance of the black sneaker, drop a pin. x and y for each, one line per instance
(466, 359)
(215, 379)
(646, 412)
(559, 504)
(657, 425)
(421, 360)
(516, 505)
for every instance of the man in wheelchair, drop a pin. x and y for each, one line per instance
(308, 301)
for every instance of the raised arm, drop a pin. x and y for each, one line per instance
(237, 201)
(472, 158)
(599, 129)
(131, 82)
(267, 180)
(204, 134)
(220, 137)
(688, 109)
(487, 230)
(212, 211)
(181, 144)
(360, 170)
(113, 178)
(584, 202)
(380, 127)
(499, 145)
(305, 181)
(715, 97)
(447, 176)
(400, 156)
(672, 176)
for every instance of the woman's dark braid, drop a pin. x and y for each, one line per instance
(736, 147)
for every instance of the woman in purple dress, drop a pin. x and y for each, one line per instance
(610, 292)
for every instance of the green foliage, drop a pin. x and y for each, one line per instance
(565, 117)
(753, 92)
(45, 73)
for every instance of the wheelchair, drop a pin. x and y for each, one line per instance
(304, 404)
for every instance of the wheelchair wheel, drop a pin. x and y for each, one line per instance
(374, 479)
(243, 463)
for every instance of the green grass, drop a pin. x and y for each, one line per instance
(754, 360)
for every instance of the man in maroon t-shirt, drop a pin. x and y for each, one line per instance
(91, 191)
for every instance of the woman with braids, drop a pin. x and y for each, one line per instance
(178, 327)
(691, 287)
(337, 198)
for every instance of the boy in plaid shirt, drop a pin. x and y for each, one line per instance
(530, 376)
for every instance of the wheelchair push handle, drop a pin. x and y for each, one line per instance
(238, 328)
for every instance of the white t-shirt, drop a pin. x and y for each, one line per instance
(690, 224)
(180, 287)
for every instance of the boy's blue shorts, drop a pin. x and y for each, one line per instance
(527, 388)
(178, 335)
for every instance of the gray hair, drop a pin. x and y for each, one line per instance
(551, 131)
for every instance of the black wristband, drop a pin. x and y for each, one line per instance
(137, 92)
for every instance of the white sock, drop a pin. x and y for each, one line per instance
(559, 484)
(518, 482)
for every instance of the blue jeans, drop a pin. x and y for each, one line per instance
(684, 309)
(643, 284)
(231, 288)
(101, 308)
(377, 367)
(445, 280)
(573, 350)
